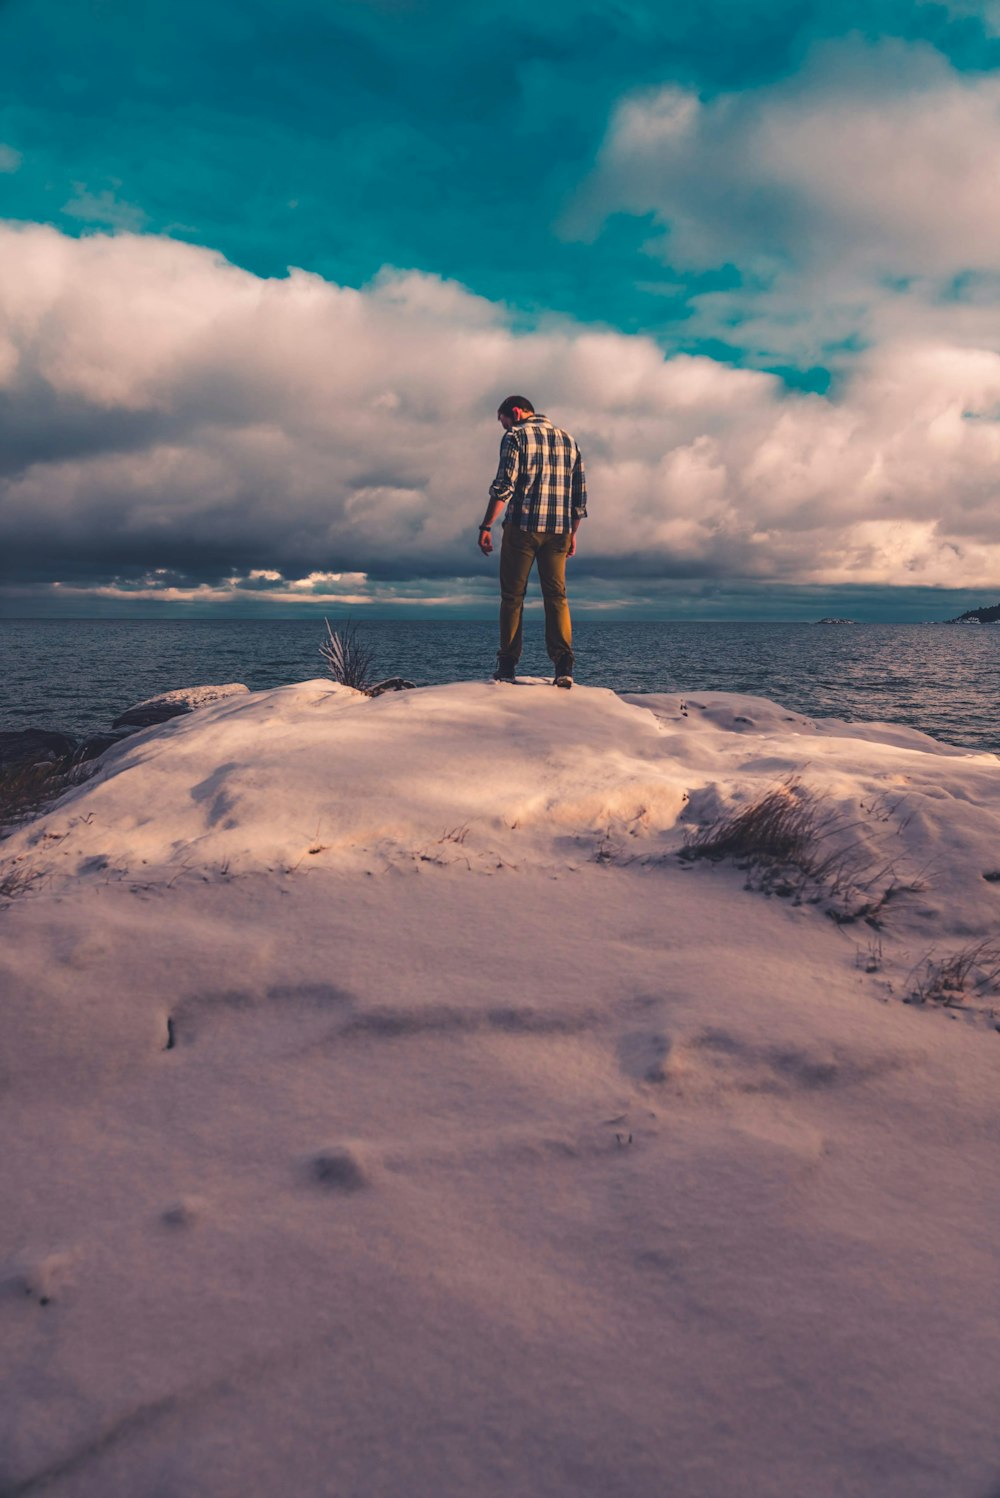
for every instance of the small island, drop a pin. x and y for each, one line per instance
(836, 621)
(989, 615)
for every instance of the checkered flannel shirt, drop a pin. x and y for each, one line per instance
(540, 477)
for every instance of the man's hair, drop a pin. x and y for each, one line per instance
(515, 402)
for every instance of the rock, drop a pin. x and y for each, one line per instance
(96, 744)
(391, 684)
(145, 714)
(31, 745)
(173, 704)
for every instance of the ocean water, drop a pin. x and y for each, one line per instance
(77, 675)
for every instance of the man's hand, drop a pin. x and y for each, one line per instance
(572, 545)
(485, 541)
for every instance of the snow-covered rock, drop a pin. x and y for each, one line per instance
(172, 704)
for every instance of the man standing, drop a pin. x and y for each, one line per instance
(541, 481)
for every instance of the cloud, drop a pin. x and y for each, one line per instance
(10, 159)
(405, 158)
(262, 592)
(986, 12)
(866, 181)
(104, 207)
(172, 426)
(884, 154)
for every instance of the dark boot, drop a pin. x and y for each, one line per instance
(564, 671)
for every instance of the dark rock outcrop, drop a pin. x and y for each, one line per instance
(96, 744)
(27, 746)
(146, 714)
(174, 704)
(391, 684)
(33, 745)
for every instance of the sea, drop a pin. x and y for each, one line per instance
(79, 674)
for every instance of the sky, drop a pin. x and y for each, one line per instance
(267, 270)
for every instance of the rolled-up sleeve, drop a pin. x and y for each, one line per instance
(579, 488)
(502, 487)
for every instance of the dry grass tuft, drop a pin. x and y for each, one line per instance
(948, 980)
(15, 879)
(780, 828)
(25, 789)
(348, 659)
(790, 846)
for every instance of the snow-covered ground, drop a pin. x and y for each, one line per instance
(387, 1111)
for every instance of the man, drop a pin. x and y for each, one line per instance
(541, 481)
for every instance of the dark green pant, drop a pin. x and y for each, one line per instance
(518, 550)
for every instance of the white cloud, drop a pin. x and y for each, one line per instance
(986, 11)
(104, 207)
(10, 160)
(884, 154)
(169, 421)
(872, 173)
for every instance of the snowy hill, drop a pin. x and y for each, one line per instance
(389, 1110)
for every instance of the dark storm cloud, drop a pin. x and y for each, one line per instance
(176, 423)
(769, 184)
(38, 425)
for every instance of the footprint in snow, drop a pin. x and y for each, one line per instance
(183, 1213)
(644, 1055)
(341, 1168)
(41, 1280)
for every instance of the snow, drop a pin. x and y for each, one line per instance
(387, 1110)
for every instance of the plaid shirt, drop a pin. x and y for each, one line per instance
(540, 477)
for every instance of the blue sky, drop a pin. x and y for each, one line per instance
(772, 224)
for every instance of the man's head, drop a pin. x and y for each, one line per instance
(514, 408)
